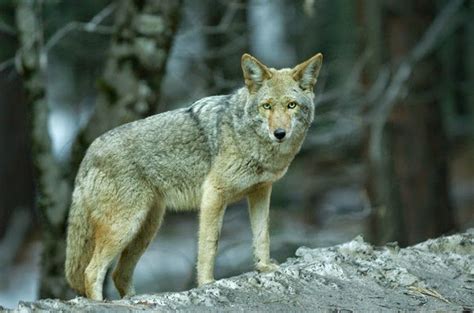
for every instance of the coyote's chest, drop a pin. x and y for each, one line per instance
(241, 188)
(242, 176)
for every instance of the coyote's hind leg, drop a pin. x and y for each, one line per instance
(123, 273)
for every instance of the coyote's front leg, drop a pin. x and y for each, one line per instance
(210, 222)
(259, 206)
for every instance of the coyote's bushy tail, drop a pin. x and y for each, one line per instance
(79, 244)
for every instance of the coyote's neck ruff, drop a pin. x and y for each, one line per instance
(206, 156)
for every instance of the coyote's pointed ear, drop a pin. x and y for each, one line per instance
(307, 72)
(255, 72)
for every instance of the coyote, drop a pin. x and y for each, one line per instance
(215, 152)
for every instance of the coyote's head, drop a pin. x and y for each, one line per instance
(281, 101)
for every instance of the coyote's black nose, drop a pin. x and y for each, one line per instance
(279, 133)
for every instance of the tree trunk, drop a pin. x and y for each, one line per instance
(52, 188)
(16, 187)
(408, 183)
(16, 183)
(130, 87)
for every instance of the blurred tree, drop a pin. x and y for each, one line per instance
(457, 79)
(129, 89)
(130, 86)
(51, 187)
(226, 37)
(408, 169)
(16, 188)
(332, 152)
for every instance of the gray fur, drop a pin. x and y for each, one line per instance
(203, 157)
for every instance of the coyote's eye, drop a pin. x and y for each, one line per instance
(267, 106)
(292, 105)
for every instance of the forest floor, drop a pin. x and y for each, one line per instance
(436, 275)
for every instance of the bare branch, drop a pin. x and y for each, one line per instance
(328, 96)
(349, 86)
(437, 31)
(379, 86)
(429, 41)
(93, 26)
(101, 16)
(384, 91)
(6, 64)
(7, 29)
(353, 79)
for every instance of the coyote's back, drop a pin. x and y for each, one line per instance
(218, 150)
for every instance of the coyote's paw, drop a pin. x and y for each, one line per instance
(130, 293)
(267, 267)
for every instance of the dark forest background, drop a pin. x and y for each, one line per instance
(390, 155)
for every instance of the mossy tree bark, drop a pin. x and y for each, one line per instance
(52, 187)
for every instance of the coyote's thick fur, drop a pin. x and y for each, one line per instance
(215, 152)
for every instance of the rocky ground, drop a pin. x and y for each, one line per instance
(436, 275)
